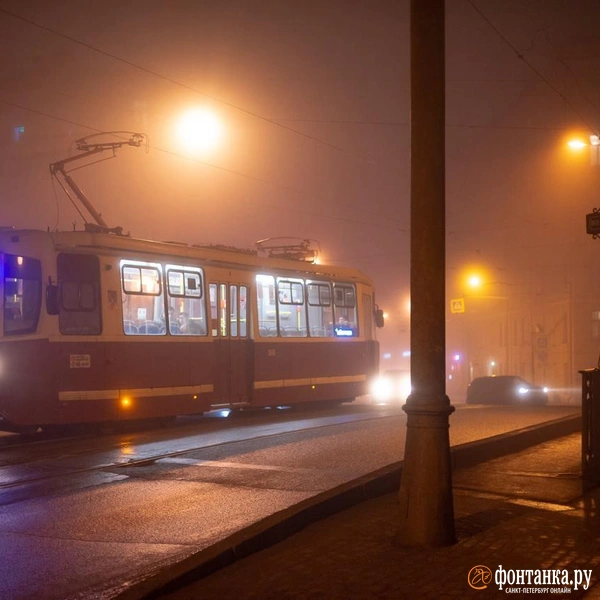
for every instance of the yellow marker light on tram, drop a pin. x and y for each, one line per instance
(125, 402)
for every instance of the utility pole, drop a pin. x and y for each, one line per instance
(425, 497)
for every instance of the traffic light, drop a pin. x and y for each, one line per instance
(592, 223)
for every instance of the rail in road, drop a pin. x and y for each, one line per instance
(100, 514)
(51, 465)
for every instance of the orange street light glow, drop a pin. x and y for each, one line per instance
(474, 281)
(576, 144)
(199, 130)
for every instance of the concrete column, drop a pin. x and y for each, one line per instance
(425, 497)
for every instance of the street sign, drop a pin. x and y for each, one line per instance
(592, 223)
(457, 305)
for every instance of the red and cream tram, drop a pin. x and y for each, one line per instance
(100, 327)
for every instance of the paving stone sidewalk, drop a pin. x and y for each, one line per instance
(522, 511)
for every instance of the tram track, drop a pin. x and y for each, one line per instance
(42, 470)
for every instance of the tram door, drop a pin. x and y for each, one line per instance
(229, 330)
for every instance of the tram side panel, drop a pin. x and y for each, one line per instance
(28, 383)
(119, 375)
(309, 370)
(333, 367)
(154, 373)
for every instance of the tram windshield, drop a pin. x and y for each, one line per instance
(22, 297)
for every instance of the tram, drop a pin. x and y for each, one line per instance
(100, 327)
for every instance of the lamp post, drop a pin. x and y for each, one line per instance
(426, 509)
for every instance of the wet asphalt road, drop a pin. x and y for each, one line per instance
(87, 518)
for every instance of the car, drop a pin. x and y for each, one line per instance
(505, 389)
(391, 386)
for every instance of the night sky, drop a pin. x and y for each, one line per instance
(314, 99)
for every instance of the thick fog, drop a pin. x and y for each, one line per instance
(313, 98)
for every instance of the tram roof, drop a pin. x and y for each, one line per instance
(113, 244)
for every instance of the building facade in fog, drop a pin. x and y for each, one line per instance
(544, 333)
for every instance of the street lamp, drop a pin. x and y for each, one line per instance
(475, 280)
(199, 130)
(592, 142)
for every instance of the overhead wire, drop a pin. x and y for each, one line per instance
(522, 57)
(224, 102)
(232, 172)
(182, 85)
(278, 122)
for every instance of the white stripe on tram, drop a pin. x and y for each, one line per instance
(283, 383)
(183, 390)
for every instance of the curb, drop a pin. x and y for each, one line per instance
(287, 522)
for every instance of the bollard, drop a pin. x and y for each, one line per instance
(590, 426)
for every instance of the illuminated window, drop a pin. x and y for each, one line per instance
(320, 309)
(186, 312)
(291, 309)
(233, 315)
(243, 311)
(22, 294)
(344, 302)
(142, 298)
(267, 308)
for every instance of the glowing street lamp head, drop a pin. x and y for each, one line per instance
(576, 144)
(474, 281)
(199, 130)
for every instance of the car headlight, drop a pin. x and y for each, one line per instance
(381, 389)
(405, 388)
(523, 390)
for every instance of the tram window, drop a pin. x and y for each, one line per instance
(367, 314)
(79, 294)
(22, 296)
(223, 309)
(320, 310)
(291, 309)
(186, 310)
(267, 308)
(243, 311)
(143, 299)
(233, 319)
(344, 301)
(214, 319)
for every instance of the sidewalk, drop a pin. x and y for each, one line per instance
(522, 511)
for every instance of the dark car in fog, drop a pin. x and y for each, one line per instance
(505, 389)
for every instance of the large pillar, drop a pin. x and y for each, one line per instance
(426, 506)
